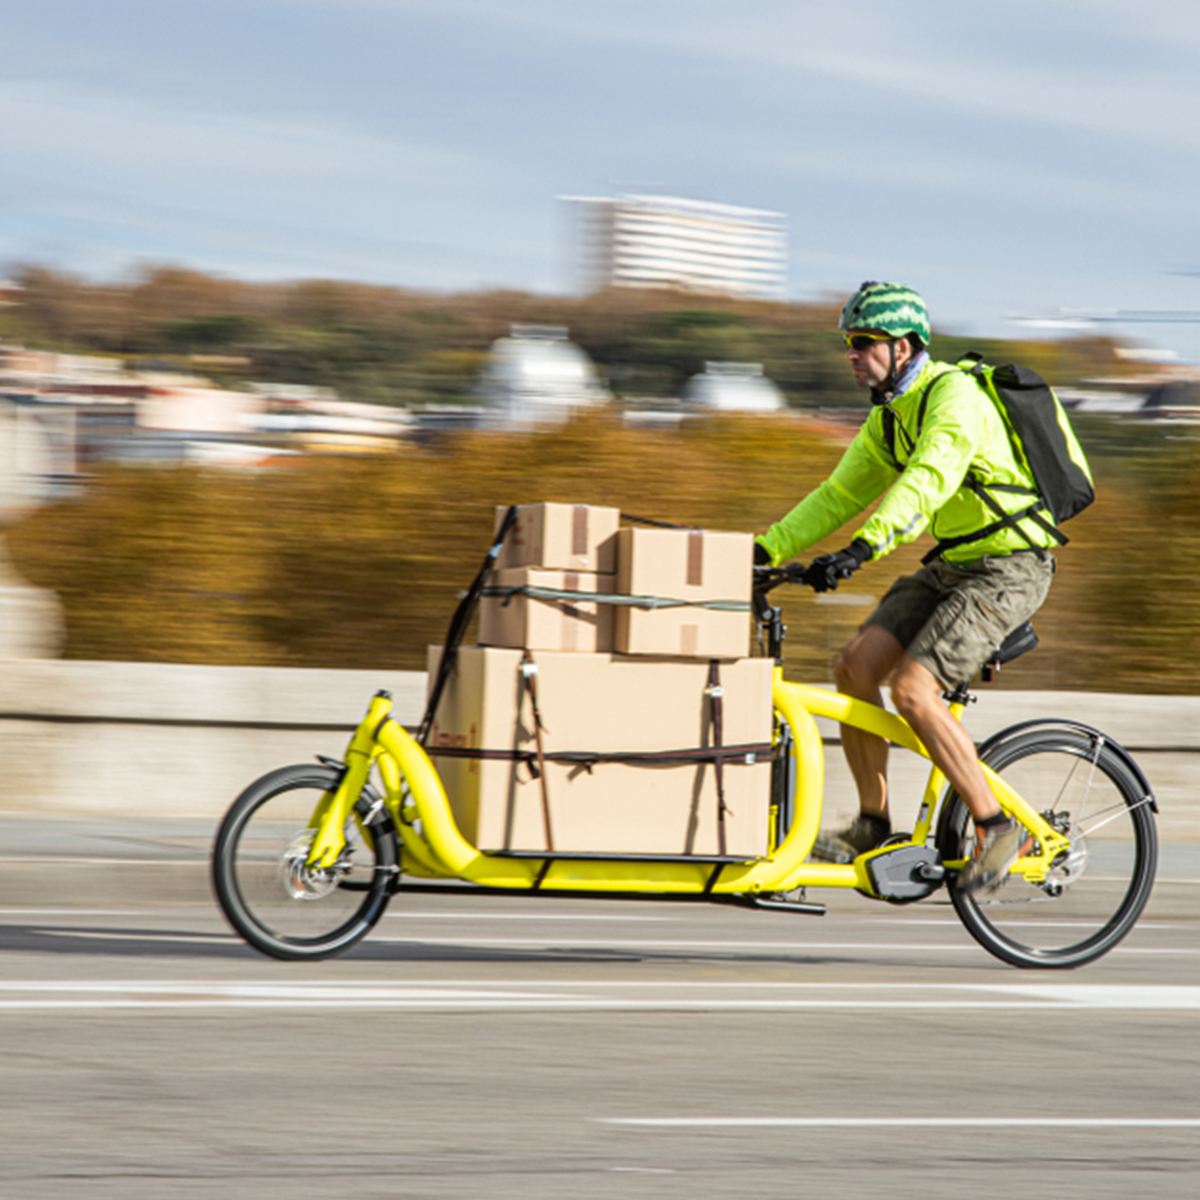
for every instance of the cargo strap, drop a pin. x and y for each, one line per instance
(653, 522)
(743, 754)
(459, 622)
(529, 674)
(715, 698)
(648, 602)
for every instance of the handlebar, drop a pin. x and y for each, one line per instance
(766, 579)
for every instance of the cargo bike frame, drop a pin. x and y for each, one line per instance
(308, 857)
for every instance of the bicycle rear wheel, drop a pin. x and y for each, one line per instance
(1095, 892)
(263, 885)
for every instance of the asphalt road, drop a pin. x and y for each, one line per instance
(511, 1046)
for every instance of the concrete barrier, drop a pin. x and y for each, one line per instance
(147, 740)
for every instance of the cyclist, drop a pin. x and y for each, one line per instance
(928, 426)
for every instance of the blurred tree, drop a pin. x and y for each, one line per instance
(394, 346)
(358, 562)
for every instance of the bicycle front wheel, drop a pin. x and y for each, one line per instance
(262, 881)
(1095, 892)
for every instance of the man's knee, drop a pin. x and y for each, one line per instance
(862, 666)
(914, 688)
(851, 668)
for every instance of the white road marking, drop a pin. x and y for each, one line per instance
(81, 860)
(469, 915)
(611, 995)
(905, 1122)
(84, 912)
(108, 935)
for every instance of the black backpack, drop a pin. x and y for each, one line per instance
(1042, 434)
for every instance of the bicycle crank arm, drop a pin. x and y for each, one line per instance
(796, 906)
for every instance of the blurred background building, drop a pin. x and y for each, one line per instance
(537, 376)
(668, 241)
(733, 387)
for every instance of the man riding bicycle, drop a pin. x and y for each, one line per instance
(931, 430)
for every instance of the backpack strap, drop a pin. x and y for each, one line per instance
(972, 363)
(892, 423)
(1007, 520)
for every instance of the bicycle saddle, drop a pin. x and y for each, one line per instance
(1021, 640)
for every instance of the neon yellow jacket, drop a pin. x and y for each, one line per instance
(961, 429)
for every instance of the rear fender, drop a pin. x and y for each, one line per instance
(1078, 727)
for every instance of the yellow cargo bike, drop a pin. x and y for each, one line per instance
(308, 857)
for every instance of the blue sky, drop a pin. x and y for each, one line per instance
(999, 157)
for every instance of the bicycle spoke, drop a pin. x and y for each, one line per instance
(1117, 810)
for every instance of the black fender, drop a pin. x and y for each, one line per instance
(1079, 727)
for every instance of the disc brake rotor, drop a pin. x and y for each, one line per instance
(1071, 865)
(299, 881)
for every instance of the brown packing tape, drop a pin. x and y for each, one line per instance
(579, 530)
(570, 614)
(695, 557)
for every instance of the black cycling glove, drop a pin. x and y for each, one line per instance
(824, 573)
(762, 556)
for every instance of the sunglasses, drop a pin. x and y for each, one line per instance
(864, 341)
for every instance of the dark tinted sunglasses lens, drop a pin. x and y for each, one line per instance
(862, 342)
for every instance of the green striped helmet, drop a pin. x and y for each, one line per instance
(890, 307)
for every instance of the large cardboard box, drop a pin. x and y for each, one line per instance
(561, 537)
(522, 621)
(684, 564)
(603, 703)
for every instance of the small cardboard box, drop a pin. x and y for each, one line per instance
(684, 564)
(603, 703)
(522, 621)
(561, 537)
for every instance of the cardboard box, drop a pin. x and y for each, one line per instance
(561, 537)
(521, 621)
(684, 564)
(603, 703)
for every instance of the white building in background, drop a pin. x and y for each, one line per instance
(667, 241)
(536, 376)
(733, 387)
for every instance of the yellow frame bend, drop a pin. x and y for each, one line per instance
(433, 846)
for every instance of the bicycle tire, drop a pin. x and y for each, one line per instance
(1094, 895)
(264, 888)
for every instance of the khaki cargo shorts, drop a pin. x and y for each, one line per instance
(951, 616)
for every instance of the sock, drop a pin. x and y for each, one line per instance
(1001, 821)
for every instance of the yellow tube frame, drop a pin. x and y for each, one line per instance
(433, 846)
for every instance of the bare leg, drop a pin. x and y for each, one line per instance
(917, 694)
(860, 670)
